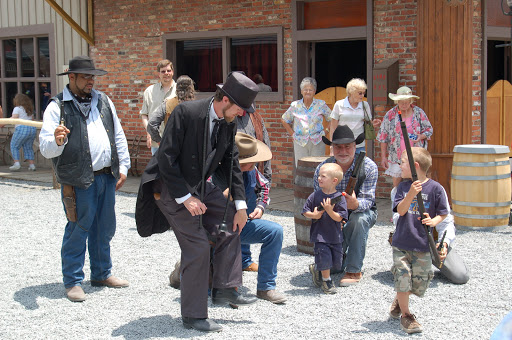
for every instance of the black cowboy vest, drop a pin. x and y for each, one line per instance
(74, 165)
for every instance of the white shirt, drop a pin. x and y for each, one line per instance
(154, 96)
(22, 114)
(345, 114)
(99, 144)
(239, 204)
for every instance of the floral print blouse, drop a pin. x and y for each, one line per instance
(390, 131)
(307, 122)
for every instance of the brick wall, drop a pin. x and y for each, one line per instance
(129, 43)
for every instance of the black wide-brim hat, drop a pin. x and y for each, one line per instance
(343, 135)
(241, 90)
(84, 65)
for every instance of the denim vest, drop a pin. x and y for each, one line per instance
(74, 165)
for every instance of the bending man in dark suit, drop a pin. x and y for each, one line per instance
(191, 150)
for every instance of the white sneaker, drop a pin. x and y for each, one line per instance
(15, 167)
(31, 167)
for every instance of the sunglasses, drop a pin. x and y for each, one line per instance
(88, 76)
(165, 71)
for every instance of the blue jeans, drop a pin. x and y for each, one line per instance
(355, 235)
(270, 234)
(96, 225)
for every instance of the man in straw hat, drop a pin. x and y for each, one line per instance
(362, 210)
(82, 136)
(198, 141)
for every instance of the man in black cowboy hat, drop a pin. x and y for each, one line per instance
(361, 204)
(82, 136)
(198, 140)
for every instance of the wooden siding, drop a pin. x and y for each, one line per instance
(444, 79)
(68, 43)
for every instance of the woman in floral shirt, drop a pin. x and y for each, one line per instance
(390, 133)
(307, 116)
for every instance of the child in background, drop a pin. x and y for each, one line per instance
(23, 135)
(412, 264)
(326, 226)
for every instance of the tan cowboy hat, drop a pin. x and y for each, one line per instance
(251, 150)
(402, 93)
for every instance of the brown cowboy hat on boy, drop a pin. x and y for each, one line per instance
(84, 65)
(343, 135)
(251, 150)
(240, 89)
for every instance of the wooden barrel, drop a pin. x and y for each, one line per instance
(480, 187)
(303, 188)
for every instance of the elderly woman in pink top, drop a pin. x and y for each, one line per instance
(306, 116)
(390, 134)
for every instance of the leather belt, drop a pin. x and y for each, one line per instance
(104, 171)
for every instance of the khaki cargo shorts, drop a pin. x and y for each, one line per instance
(412, 271)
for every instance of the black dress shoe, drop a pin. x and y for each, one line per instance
(203, 325)
(231, 296)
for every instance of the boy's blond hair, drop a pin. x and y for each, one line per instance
(422, 157)
(334, 170)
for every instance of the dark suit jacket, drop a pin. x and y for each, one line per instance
(178, 163)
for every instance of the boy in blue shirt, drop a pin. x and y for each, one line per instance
(412, 264)
(326, 226)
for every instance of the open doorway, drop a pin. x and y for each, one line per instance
(498, 62)
(336, 62)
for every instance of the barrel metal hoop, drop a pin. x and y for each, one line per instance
(481, 178)
(482, 204)
(473, 228)
(480, 217)
(481, 164)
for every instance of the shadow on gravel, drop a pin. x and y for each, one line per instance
(385, 277)
(27, 296)
(388, 326)
(292, 251)
(130, 215)
(162, 326)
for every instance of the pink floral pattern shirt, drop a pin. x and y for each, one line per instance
(390, 131)
(307, 122)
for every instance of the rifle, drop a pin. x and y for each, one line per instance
(334, 201)
(440, 247)
(436, 260)
(353, 179)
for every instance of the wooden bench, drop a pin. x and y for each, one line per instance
(5, 146)
(134, 145)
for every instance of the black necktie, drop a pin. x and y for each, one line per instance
(213, 138)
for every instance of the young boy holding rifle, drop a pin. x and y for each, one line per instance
(328, 210)
(412, 262)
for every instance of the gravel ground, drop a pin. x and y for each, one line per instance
(33, 303)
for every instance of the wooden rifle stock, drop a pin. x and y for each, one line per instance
(353, 178)
(436, 260)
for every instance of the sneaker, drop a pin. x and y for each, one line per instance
(31, 167)
(328, 287)
(15, 167)
(409, 324)
(350, 279)
(394, 310)
(317, 278)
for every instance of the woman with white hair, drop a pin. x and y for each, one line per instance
(306, 116)
(390, 134)
(351, 111)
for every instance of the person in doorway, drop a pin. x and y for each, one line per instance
(83, 137)
(352, 110)
(155, 95)
(304, 122)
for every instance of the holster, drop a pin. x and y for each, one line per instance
(68, 198)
